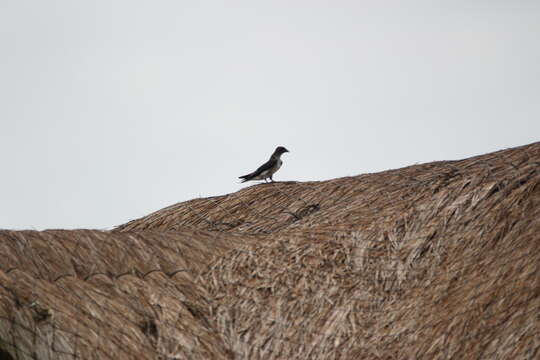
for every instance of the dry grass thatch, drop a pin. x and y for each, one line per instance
(94, 294)
(440, 260)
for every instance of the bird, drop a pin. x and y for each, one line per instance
(266, 170)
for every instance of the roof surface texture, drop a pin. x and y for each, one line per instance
(431, 261)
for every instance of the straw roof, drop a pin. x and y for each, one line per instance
(95, 294)
(438, 260)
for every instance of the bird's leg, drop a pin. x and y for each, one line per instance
(271, 180)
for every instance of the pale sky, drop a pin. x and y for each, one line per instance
(114, 109)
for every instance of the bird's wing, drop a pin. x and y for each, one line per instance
(266, 166)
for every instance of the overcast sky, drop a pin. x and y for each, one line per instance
(113, 109)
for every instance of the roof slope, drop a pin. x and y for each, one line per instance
(349, 203)
(95, 294)
(439, 260)
(453, 273)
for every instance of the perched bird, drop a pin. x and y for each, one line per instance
(266, 170)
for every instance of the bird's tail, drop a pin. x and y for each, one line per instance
(245, 177)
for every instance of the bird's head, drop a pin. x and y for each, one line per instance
(280, 150)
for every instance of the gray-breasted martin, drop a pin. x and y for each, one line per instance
(266, 170)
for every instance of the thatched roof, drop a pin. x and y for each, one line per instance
(94, 294)
(439, 260)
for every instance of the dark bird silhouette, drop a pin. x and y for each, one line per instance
(266, 170)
